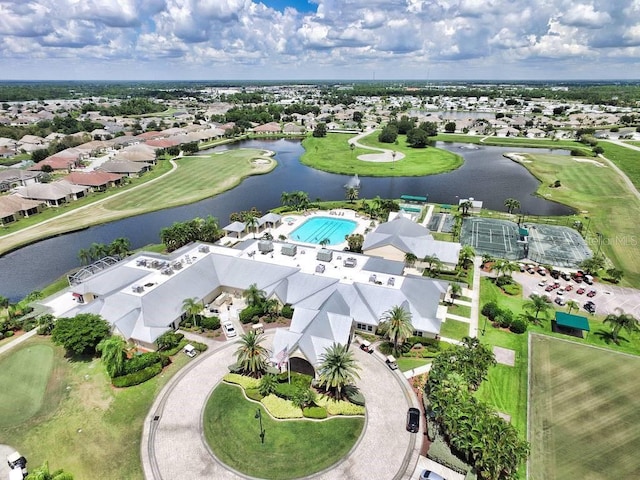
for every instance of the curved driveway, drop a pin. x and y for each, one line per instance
(173, 445)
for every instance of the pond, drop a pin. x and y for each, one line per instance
(486, 175)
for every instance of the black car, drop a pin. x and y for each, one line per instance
(590, 307)
(413, 420)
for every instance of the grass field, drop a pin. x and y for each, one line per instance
(84, 425)
(24, 377)
(454, 329)
(291, 449)
(332, 154)
(605, 202)
(461, 310)
(405, 363)
(626, 159)
(585, 412)
(194, 179)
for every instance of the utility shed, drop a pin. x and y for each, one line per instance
(289, 250)
(324, 255)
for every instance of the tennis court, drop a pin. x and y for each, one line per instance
(498, 238)
(543, 244)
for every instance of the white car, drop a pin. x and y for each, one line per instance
(542, 283)
(229, 329)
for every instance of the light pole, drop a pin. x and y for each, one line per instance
(484, 326)
(258, 415)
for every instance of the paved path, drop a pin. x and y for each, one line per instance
(385, 155)
(626, 179)
(17, 341)
(475, 298)
(173, 445)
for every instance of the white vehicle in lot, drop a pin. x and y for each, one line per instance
(229, 329)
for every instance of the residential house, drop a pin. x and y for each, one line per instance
(96, 180)
(125, 167)
(271, 127)
(14, 207)
(54, 193)
(15, 177)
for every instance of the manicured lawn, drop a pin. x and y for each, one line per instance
(405, 364)
(454, 329)
(605, 201)
(585, 412)
(195, 178)
(291, 449)
(461, 310)
(85, 425)
(24, 376)
(333, 154)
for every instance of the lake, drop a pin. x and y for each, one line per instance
(486, 175)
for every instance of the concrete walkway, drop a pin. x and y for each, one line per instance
(173, 445)
(18, 340)
(475, 298)
(385, 155)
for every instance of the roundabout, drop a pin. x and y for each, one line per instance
(173, 444)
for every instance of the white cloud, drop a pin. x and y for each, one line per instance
(581, 15)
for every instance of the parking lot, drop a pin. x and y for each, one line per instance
(606, 299)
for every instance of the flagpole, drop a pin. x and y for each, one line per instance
(289, 368)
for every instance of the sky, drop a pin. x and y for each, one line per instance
(319, 39)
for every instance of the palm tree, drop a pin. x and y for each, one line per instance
(573, 305)
(511, 204)
(433, 263)
(352, 194)
(410, 259)
(268, 384)
(42, 473)
(271, 307)
(621, 321)
(467, 254)
(251, 221)
(251, 355)
(397, 322)
(192, 307)
(84, 255)
(465, 206)
(254, 296)
(285, 199)
(456, 290)
(337, 369)
(537, 304)
(120, 247)
(114, 354)
(324, 242)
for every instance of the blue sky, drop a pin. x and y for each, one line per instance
(319, 39)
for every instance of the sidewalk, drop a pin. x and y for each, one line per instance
(18, 340)
(475, 298)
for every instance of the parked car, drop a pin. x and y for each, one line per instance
(591, 293)
(542, 272)
(568, 288)
(590, 307)
(413, 420)
(429, 475)
(555, 274)
(565, 276)
(366, 346)
(229, 329)
(560, 291)
(542, 283)
(391, 362)
(549, 288)
(560, 301)
(580, 291)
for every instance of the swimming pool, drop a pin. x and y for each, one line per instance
(316, 229)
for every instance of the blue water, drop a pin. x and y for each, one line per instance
(316, 229)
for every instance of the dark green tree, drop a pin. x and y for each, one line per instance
(320, 130)
(80, 334)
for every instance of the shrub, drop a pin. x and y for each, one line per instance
(440, 452)
(286, 390)
(512, 289)
(339, 407)
(210, 323)
(503, 280)
(490, 310)
(242, 380)
(315, 412)
(8, 334)
(355, 396)
(518, 326)
(201, 347)
(138, 377)
(287, 311)
(235, 368)
(253, 394)
(169, 340)
(280, 408)
(172, 351)
(299, 379)
(246, 315)
(140, 362)
(504, 318)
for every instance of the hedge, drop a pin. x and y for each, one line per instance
(286, 390)
(246, 315)
(339, 407)
(199, 346)
(253, 394)
(242, 380)
(281, 408)
(173, 351)
(315, 412)
(210, 323)
(140, 362)
(440, 452)
(287, 311)
(138, 377)
(299, 379)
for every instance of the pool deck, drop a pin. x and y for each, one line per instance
(291, 221)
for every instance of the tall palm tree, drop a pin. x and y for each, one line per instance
(285, 199)
(120, 247)
(352, 194)
(410, 259)
(537, 304)
(251, 355)
(397, 322)
(573, 305)
(456, 290)
(621, 321)
(467, 253)
(511, 204)
(337, 369)
(254, 296)
(192, 307)
(251, 221)
(84, 255)
(271, 307)
(113, 351)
